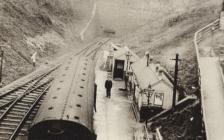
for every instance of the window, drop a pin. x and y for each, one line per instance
(120, 66)
(158, 99)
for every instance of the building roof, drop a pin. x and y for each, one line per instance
(148, 75)
(121, 54)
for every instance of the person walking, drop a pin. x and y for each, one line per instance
(108, 86)
(33, 57)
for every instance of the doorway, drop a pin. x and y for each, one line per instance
(119, 69)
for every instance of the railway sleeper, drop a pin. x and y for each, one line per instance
(8, 134)
(34, 111)
(19, 91)
(18, 110)
(3, 138)
(9, 124)
(27, 101)
(4, 101)
(41, 101)
(39, 90)
(33, 95)
(14, 125)
(11, 129)
(11, 96)
(24, 87)
(27, 107)
(23, 133)
(37, 106)
(26, 126)
(5, 133)
(30, 98)
(23, 104)
(2, 111)
(13, 116)
(19, 114)
(8, 98)
(17, 120)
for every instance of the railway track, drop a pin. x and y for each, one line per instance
(14, 117)
(7, 97)
(19, 105)
(92, 49)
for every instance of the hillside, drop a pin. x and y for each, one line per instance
(164, 37)
(43, 26)
(53, 27)
(163, 27)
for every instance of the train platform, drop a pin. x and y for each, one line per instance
(213, 89)
(114, 119)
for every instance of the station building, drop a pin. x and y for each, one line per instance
(152, 91)
(146, 81)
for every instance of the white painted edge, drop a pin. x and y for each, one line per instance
(197, 55)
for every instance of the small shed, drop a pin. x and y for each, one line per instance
(152, 88)
(123, 57)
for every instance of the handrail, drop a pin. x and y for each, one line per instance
(197, 38)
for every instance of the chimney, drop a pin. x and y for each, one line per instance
(160, 72)
(150, 59)
(157, 68)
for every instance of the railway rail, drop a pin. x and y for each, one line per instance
(19, 105)
(7, 97)
(13, 117)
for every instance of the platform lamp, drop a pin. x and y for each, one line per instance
(128, 56)
(149, 92)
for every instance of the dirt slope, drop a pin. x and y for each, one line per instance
(43, 26)
(165, 37)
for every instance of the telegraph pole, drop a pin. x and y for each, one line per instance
(175, 80)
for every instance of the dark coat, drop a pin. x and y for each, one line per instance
(108, 84)
(95, 93)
